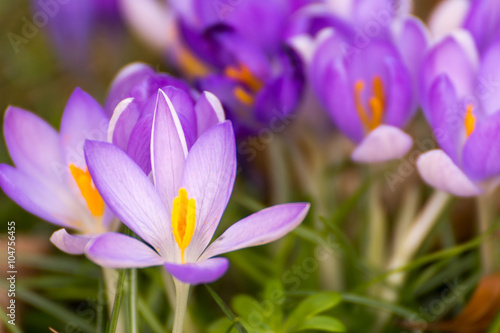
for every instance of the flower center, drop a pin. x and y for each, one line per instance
(183, 220)
(247, 80)
(470, 120)
(376, 103)
(88, 190)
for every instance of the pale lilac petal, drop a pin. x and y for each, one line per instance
(83, 119)
(385, 143)
(72, 244)
(453, 57)
(488, 80)
(208, 177)
(481, 154)
(439, 171)
(446, 114)
(168, 151)
(401, 102)
(448, 16)
(116, 250)
(259, 228)
(122, 123)
(209, 112)
(50, 203)
(205, 271)
(413, 41)
(33, 145)
(129, 193)
(184, 108)
(151, 20)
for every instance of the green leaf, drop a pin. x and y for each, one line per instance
(321, 323)
(227, 311)
(149, 317)
(5, 319)
(310, 307)
(118, 300)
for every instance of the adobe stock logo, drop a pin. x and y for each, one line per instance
(47, 9)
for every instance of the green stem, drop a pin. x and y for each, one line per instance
(116, 306)
(377, 227)
(133, 300)
(485, 214)
(181, 298)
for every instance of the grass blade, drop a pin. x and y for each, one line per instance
(227, 311)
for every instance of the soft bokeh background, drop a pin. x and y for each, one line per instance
(34, 79)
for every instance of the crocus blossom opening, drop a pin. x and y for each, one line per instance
(376, 103)
(183, 220)
(88, 190)
(470, 120)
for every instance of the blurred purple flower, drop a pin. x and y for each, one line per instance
(462, 104)
(177, 213)
(72, 25)
(51, 179)
(132, 100)
(480, 17)
(368, 83)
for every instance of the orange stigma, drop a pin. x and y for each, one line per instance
(88, 190)
(183, 220)
(470, 120)
(244, 76)
(376, 103)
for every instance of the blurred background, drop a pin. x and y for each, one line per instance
(33, 78)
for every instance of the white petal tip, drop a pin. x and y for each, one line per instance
(383, 144)
(439, 171)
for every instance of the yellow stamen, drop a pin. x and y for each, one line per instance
(190, 64)
(243, 75)
(470, 120)
(183, 220)
(88, 190)
(243, 96)
(376, 103)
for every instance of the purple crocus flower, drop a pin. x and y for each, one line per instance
(50, 179)
(132, 100)
(177, 213)
(462, 105)
(254, 73)
(370, 89)
(73, 24)
(480, 17)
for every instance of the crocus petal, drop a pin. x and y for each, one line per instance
(205, 271)
(72, 244)
(70, 25)
(116, 250)
(489, 80)
(151, 20)
(33, 145)
(401, 102)
(483, 22)
(446, 114)
(481, 154)
(122, 123)
(413, 40)
(383, 144)
(139, 81)
(208, 177)
(262, 227)
(340, 105)
(454, 57)
(209, 112)
(184, 108)
(168, 151)
(129, 193)
(83, 119)
(439, 171)
(50, 203)
(448, 15)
